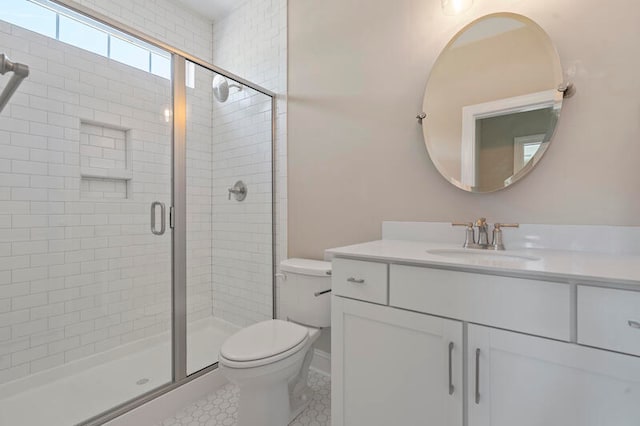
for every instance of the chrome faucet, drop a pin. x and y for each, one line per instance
(483, 234)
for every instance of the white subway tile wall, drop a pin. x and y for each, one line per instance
(251, 42)
(80, 272)
(102, 147)
(199, 163)
(166, 20)
(242, 231)
(102, 189)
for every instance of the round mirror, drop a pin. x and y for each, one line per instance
(492, 102)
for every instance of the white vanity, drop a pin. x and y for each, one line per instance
(546, 333)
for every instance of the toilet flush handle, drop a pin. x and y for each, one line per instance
(320, 293)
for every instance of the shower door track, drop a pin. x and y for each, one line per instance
(179, 273)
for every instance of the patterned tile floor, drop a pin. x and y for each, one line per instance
(221, 407)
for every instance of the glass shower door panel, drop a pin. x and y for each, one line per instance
(85, 286)
(229, 212)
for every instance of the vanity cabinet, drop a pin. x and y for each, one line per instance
(394, 367)
(515, 379)
(535, 307)
(514, 349)
(609, 319)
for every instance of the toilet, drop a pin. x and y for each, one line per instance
(269, 361)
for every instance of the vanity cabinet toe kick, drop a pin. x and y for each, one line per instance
(417, 345)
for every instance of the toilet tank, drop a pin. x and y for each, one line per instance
(302, 279)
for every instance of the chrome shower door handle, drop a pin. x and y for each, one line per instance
(163, 224)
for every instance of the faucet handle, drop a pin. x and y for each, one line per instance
(470, 235)
(467, 224)
(497, 243)
(506, 225)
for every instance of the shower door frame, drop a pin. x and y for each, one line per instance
(177, 211)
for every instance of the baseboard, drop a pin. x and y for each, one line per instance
(321, 361)
(167, 405)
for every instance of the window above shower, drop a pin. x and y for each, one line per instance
(59, 23)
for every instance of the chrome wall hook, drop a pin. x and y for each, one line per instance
(421, 116)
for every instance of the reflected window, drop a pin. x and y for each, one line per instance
(524, 149)
(530, 150)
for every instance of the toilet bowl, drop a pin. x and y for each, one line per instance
(269, 361)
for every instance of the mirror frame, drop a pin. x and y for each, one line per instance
(549, 98)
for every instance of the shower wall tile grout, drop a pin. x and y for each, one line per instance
(250, 42)
(79, 275)
(82, 276)
(166, 20)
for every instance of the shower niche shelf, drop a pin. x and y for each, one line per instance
(104, 159)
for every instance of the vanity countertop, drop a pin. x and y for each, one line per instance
(622, 271)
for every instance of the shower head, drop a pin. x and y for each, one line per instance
(20, 72)
(221, 88)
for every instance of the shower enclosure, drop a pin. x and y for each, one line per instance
(126, 255)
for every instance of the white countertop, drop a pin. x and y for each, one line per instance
(617, 270)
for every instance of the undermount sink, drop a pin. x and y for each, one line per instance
(482, 255)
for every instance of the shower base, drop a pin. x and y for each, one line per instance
(81, 389)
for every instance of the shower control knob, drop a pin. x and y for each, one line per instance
(239, 190)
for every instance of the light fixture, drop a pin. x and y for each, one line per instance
(455, 7)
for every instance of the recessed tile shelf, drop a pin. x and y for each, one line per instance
(104, 157)
(90, 173)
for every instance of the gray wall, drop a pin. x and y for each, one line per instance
(357, 73)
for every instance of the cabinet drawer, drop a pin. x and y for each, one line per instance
(609, 319)
(360, 280)
(529, 306)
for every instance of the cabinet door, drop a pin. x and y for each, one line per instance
(394, 367)
(515, 379)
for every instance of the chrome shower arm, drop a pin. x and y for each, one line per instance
(20, 72)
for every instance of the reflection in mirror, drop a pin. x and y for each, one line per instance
(492, 102)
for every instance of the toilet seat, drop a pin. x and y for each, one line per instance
(263, 343)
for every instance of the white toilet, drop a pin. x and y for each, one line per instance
(269, 361)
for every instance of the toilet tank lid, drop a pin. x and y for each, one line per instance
(306, 267)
